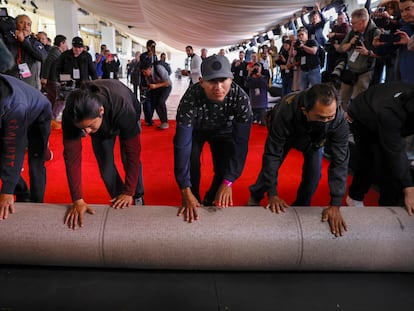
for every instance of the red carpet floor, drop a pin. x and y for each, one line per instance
(159, 182)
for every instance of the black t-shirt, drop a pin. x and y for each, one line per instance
(308, 61)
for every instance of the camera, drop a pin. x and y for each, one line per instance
(298, 43)
(255, 70)
(336, 73)
(381, 9)
(389, 38)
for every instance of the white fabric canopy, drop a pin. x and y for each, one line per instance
(200, 23)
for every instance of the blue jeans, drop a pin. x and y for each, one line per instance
(311, 174)
(310, 78)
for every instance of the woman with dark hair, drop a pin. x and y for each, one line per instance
(104, 109)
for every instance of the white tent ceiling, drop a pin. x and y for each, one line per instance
(200, 23)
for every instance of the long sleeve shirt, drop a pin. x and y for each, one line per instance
(289, 129)
(21, 106)
(197, 113)
(121, 119)
(383, 111)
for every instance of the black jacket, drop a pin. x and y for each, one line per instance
(67, 62)
(288, 128)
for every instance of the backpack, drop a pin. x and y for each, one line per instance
(164, 64)
(7, 29)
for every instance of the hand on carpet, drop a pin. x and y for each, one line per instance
(76, 213)
(333, 216)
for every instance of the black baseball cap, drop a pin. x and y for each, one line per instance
(77, 42)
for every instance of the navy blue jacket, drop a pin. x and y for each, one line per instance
(21, 105)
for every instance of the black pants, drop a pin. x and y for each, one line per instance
(104, 153)
(222, 149)
(37, 140)
(372, 167)
(158, 100)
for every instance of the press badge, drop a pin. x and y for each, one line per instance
(111, 75)
(76, 74)
(303, 60)
(257, 91)
(24, 70)
(354, 56)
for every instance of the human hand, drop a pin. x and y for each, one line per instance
(6, 205)
(404, 37)
(122, 201)
(276, 204)
(75, 215)
(408, 200)
(224, 196)
(189, 206)
(333, 216)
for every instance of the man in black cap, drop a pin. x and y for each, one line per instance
(76, 64)
(217, 111)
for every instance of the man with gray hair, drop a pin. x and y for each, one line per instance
(360, 57)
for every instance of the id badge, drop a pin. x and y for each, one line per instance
(303, 60)
(257, 91)
(24, 70)
(111, 75)
(353, 56)
(76, 74)
(241, 73)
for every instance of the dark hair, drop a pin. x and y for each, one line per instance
(324, 93)
(189, 47)
(145, 64)
(59, 39)
(150, 42)
(84, 103)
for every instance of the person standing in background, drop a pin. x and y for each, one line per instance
(194, 71)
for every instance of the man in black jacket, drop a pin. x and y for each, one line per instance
(380, 119)
(76, 64)
(306, 121)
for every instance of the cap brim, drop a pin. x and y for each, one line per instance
(218, 76)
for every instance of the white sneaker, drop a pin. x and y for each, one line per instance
(351, 202)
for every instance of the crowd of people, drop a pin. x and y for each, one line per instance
(222, 102)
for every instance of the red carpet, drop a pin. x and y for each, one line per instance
(159, 182)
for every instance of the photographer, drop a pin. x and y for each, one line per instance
(286, 67)
(388, 43)
(337, 34)
(308, 60)
(258, 88)
(386, 17)
(360, 57)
